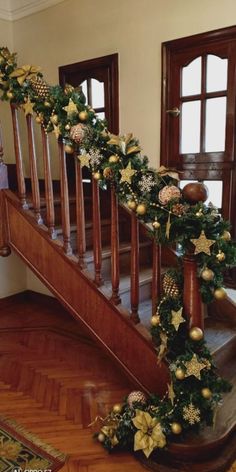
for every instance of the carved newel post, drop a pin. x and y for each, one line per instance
(4, 248)
(193, 306)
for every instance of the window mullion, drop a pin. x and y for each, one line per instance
(203, 105)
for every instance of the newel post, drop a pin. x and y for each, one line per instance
(193, 306)
(4, 248)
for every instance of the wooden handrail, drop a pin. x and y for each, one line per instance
(80, 215)
(33, 169)
(97, 238)
(50, 212)
(134, 268)
(115, 265)
(19, 160)
(65, 208)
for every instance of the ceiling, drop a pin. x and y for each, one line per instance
(15, 9)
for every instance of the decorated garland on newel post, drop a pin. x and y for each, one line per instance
(195, 389)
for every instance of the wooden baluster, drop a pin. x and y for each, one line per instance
(192, 298)
(65, 207)
(3, 167)
(97, 238)
(50, 212)
(33, 169)
(156, 275)
(19, 160)
(80, 218)
(4, 235)
(115, 266)
(134, 268)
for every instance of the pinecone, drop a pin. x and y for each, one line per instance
(171, 287)
(40, 87)
(178, 209)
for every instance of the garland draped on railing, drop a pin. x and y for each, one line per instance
(173, 216)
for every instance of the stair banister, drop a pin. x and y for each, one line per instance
(50, 212)
(65, 208)
(115, 265)
(18, 155)
(156, 275)
(192, 297)
(134, 268)
(80, 215)
(33, 169)
(4, 248)
(97, 238)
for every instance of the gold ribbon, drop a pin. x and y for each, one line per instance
(149, 435)
(110, 432)
(25, 72)
(124, 143)
(173, 173)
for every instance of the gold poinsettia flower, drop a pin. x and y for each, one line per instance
(9, 449)
(25, 72)
(124, 143)
(110, 432)
(149, 435)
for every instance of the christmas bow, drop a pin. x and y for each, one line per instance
(173, 173)
(149, 434)
(25, 72)
(110, 432)
(124, 143)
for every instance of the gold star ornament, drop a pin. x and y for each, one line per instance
(127, 174)
(56, 131)
(71, 108)
(202, 244)
(177, 318)
(28, 107)
(194, 367)
(84, 160)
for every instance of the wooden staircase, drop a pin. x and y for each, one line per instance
(97, 259)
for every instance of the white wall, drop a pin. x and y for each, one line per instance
(12, 275)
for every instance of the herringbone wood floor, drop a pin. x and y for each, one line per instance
(54, 382)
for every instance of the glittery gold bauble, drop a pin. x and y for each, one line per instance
(207, 274)
(141, 209)
(136, 396)
(108, 173)
(83, 115)
(155, 320)
(170, 286)
(77, 133)
(220, 256)
(206, 393)
(101, 437)
(40, 87)
(179, 374)
(167, 193)
(38, 119)
(97, 175)
(117, 408)
(113, 159)
(196, 334)
(69, 149)
(54, 119)
(176, 428)
(226, 236)
(132, 204)
(68, 127)
(10, 94)
(156, 224)
(220, 294)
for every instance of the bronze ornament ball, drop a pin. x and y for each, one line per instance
(97, 175)
(220, 293)
(206, 393)
(117, 408)
(207, 274)
(195, 192)
(176, 428)
(108, 173)
(132, 205)
(220, 256)
(180, 374)
(226, 236)
(155, 320)
(196, 334)
(136, 396)
(141, 209)
(113, 159)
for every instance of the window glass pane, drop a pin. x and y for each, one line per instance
(217, 70)
(101, 115)
(190, 127)
(97, 94)
(215, 188)
(191, 78)
(85, 89)
(215, 124)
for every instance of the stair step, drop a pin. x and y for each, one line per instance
(221, 340)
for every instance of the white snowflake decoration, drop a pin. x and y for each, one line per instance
(95, 157)
(146, 183)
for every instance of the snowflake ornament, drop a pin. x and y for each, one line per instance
(95, 157)
(191, 414)
(146, 183)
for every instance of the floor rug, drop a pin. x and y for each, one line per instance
(21, 451)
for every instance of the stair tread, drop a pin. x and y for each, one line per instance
(145, 275)
(125, 246)
(218, 334)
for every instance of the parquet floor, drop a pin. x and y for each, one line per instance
(54, 382)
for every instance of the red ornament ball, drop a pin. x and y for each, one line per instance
(195, 192)
(167, 193)
(77, 133)
(136, 396)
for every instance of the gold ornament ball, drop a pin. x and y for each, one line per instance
(207, 274)
(156, 224)
(132, 204)
(10, 94)
(69, 149)
(54, 119)
(198, 214)
(180, 374)
(83, 115)
(176, 428)
(97, 175)
(155, 320)
(220, 256)
(141, 209)
(101, 437)
(206, 393)
(220, 294)
(67, 127)
(117, 408)
(47, 104)
(226, 236)
(113, 159)
(38, 119)
(196, 334)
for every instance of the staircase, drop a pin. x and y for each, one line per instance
(98, 260)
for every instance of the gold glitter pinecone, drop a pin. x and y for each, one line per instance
(136, 396)
(178, 209)
(170, 286)
(40, 87)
